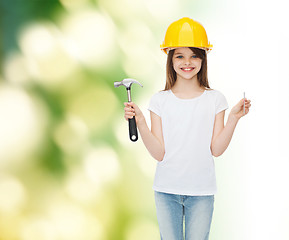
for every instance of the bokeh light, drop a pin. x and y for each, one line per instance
(20, 117)
(101, 165)
(16, 69)
(13, 195)
(71, 135)
(92, 36)
(141, 229)
(42, 44)
(91, 103)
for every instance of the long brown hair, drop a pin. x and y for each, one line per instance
(201, 76)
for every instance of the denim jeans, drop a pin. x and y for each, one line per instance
(195, 211)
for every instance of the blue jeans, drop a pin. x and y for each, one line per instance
(195, 211)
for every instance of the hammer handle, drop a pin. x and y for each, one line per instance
(132, 129)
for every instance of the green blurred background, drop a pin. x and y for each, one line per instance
(68, 170)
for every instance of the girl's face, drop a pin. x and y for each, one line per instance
(185, 63)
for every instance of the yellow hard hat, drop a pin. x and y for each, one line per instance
(186, 32)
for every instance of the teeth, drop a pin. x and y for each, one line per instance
(188, 69)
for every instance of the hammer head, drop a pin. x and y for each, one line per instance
(127, 82)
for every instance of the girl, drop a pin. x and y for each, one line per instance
(187, 129)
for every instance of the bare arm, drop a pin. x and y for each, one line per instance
(221, 140)
(223, 135)
(153, 140)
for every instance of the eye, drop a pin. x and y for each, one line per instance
(179, 56)
(194, 56)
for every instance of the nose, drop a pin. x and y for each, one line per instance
(187, 61)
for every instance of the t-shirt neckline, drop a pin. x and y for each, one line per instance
(186, 99)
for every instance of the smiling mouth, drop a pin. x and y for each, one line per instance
(188, 69)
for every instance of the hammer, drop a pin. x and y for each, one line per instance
(131, 121)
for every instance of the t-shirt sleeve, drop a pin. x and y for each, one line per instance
(221, 103)
(154, 104)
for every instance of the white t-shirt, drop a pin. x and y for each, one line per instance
(187, 124)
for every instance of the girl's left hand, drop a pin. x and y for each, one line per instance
(238, 110)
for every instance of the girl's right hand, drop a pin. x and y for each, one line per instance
(131, 109)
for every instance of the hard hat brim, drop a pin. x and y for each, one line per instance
(167, 49)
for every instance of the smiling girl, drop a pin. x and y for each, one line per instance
(187, 130)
